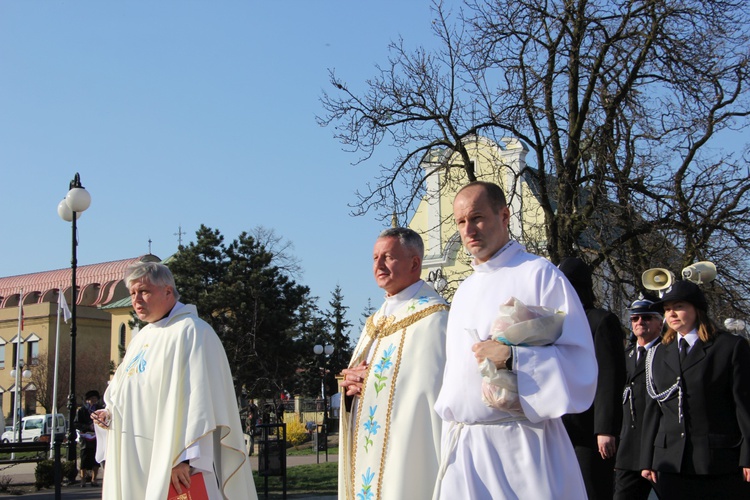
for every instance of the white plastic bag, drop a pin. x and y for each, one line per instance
(516, 325)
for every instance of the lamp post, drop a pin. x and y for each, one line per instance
(18, 373)
(322, 438)
(70, 208)
(328, 350)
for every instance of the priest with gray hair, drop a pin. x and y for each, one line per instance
(171, 409)
(389, 434)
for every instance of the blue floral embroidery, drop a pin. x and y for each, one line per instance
(138, 363)
(423, 299)
(371, 426)
(419, 301)
(366, 493)
(384, 364)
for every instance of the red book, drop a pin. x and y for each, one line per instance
(197, 490)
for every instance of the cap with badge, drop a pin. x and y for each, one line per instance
(685, 291)
(646, 304)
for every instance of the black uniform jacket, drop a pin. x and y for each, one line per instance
(633, 407)
(603, 416)
(713, 436)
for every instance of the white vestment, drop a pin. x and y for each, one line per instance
(487, 453)
(174, 390)
(390, 438)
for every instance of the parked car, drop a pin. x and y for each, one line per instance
(35, 427)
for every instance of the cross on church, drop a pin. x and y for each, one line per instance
(179, 234)
(149, 246)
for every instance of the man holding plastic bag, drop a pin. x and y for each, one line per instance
(488, 452)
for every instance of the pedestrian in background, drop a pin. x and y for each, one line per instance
(84, 425)
(646, 324)
(594, 432)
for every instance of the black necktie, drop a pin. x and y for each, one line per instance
(683, 350)
(641, 354)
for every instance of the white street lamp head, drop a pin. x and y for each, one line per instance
(78, 199)
(26, 374)
(318, 349)
(329, 349)
(64, 211)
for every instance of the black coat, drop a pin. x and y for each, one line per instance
(633, 407)
(83, 421)
(604, 415)
(713, 436)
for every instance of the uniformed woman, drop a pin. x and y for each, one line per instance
(696, 435)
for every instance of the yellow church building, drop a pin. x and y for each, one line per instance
(446, 263)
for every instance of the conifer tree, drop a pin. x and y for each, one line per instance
(339, 327)
(251, 304)
(313, 328)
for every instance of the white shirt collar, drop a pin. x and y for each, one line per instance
(691, 338)
(650, 344)
(394, 302)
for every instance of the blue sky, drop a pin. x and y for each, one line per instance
(181, 113)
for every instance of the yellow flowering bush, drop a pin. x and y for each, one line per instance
(296, 433)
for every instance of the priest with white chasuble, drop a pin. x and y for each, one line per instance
(171, 406)
(488, 453)
(389, 434)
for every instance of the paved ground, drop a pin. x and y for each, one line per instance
(23, 474)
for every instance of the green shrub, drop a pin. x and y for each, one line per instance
(296, 433)
(69, 470)
(44, 475)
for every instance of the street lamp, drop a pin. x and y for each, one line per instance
(436, 279)
(328, 350)
(70, 208)
(322, 438)
(18, 373)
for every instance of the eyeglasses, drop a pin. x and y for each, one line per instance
(645, 317)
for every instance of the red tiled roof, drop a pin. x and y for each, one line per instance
(96, 281)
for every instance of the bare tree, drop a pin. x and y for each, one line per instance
(281, 249)
(624, 105)
(91, 374)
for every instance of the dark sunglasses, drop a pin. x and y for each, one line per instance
(645, 317)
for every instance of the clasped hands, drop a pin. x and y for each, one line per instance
(354, 377)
